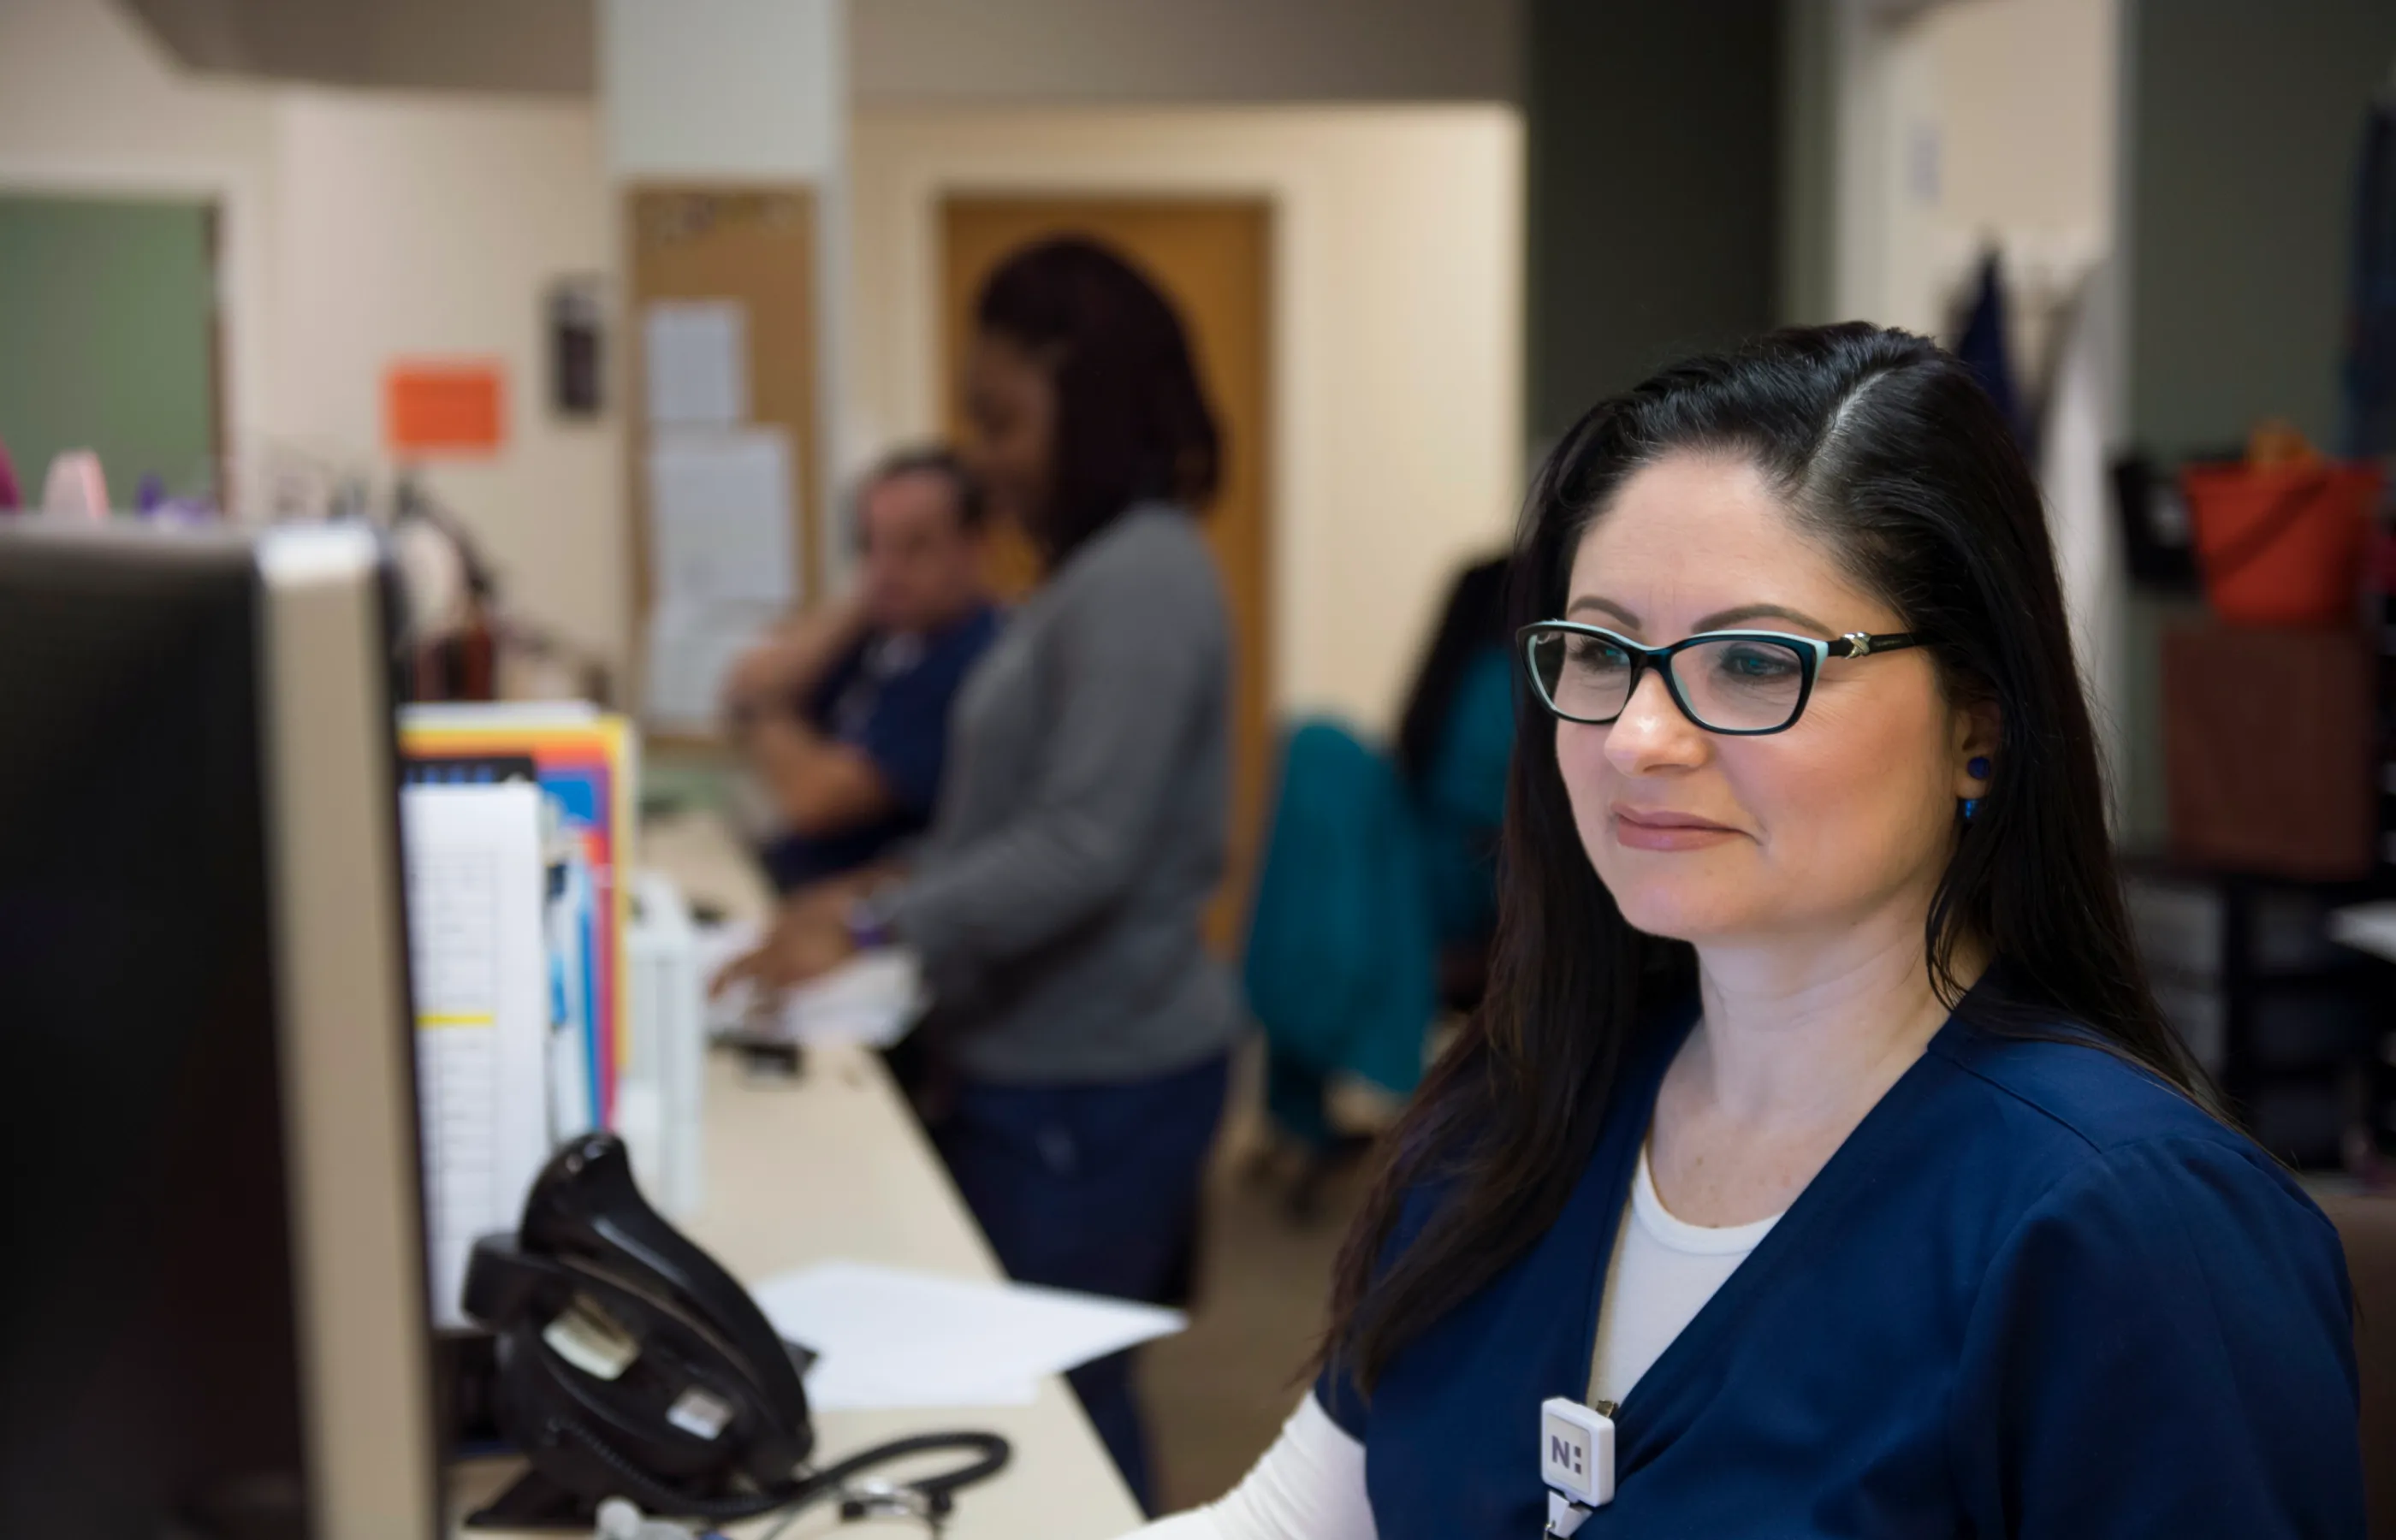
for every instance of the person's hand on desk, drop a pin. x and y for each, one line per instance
(808, 941)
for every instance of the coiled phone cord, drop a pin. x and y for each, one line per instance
(936, 1494)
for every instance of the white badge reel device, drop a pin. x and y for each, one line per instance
(1575, 1461)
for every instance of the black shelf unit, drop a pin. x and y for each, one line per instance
(2301, 1024)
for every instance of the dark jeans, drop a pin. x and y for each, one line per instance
(1296, 1097)
(1093, 1187)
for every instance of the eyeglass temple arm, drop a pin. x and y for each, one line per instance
(1864, 643)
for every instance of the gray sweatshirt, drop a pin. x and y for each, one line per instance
(1058, 901)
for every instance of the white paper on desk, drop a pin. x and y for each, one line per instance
(891, 1337)
(692, 645)
(696, 353)
(479, 966)
(720, 516)
(872, 1001)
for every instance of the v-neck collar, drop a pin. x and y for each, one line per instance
(1670, 1392)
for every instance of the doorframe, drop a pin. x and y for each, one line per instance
(238, 195)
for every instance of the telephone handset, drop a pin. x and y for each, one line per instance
(632, 1364)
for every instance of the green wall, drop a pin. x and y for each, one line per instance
(106, 312)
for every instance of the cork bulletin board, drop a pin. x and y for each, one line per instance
(755, 244)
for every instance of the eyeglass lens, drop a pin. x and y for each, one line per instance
(1737, 683)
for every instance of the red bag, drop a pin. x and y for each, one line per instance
(2282, 545)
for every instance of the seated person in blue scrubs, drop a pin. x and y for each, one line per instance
(1819, 1127)
(844, 715)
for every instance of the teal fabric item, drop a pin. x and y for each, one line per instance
(1342, 968)
(1462, 802)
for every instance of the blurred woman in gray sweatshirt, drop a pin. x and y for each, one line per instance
(1057, 905)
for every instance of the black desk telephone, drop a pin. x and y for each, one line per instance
(631, 1364)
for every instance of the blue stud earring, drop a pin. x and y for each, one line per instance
(1979, 767)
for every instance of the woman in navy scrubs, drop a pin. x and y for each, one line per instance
(1819, 1126)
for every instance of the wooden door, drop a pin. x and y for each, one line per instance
(1212, 257)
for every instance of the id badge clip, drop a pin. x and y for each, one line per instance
(1575, 1461)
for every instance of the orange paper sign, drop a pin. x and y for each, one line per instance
(443, 408)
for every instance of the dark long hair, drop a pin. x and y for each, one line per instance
(1882, 445)
(1132, 421)
(1473, 621)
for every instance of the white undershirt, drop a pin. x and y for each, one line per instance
(1310, 1484)
(1664, 1272)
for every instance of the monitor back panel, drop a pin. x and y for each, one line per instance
(149, 1350)
(212, 1311)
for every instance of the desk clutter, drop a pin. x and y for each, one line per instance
(808, 1177)
(516, 822)
(632, 1365)
(560, 1018)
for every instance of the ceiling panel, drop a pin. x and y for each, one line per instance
(531, 45)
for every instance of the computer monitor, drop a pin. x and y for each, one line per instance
(213, 1314)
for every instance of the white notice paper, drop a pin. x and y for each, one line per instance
(474, 878)
(720, 517)
(697, 356)
(692, 645)
(895, 1338)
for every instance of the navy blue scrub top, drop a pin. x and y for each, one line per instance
(889, 699)
(2036, 1293)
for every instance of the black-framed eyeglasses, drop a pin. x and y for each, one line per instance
(1742, 684)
